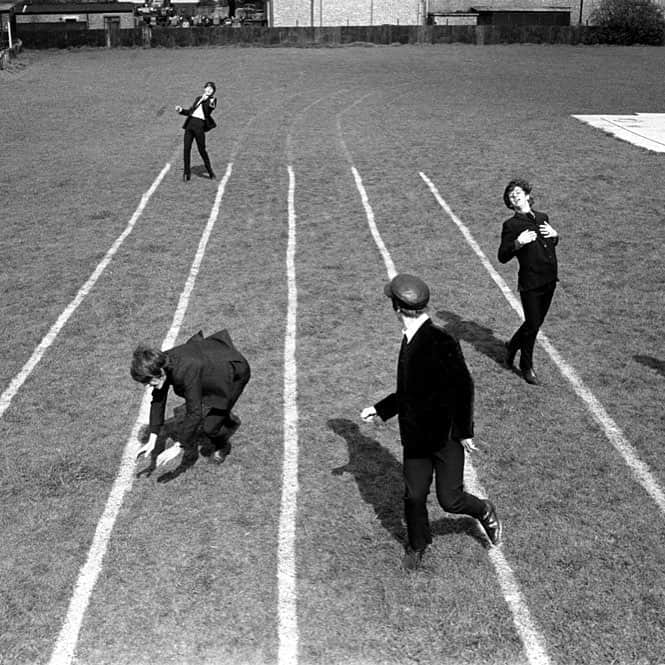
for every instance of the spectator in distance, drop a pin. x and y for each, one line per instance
(528, 236)
(199, 121)
(210, 373)
(434, 406)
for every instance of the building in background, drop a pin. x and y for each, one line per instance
(7, 24)
(77, 15)
(320, 13)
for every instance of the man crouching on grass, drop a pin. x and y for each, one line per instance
(210, 373)
(434, 406)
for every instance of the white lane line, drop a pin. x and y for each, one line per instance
(526, 627)
(63, 652)
(534, 643)
(611, 430)
(286, 561)
(16, 383)
(385, 254)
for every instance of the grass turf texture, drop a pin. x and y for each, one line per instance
(189, 576)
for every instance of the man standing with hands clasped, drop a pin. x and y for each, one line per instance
(529, 236)
(434, 406)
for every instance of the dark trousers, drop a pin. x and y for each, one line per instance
(219, 424)
(194, 132)
(535, 304)
(448, 463)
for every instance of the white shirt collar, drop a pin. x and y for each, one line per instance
(411, 326)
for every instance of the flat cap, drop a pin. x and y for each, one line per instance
(409, 291)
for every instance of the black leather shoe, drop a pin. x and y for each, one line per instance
(530, 377)
(413, 558)
(491, 523)
(220, 455)
(510, 356)
(186, 176)
(212, 175)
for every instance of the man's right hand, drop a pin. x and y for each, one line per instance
(368, 414)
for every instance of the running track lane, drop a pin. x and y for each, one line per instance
(65, 647)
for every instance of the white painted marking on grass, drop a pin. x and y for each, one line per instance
(286, 561)
(65, 646)
(37, 354)
(527, 629)
(534, 644)
(390, 266)
(646, 130)
(611, 430)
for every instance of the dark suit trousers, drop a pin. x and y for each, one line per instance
(220, 424)
(535, 303)
(194, 132)
(448, 464)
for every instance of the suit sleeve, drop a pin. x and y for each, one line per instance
(554, 241)
(387, 407)
(158, 407)
(190, 110)
(460, 389)
(507, 247)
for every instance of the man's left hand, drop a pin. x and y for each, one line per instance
(468, 445)
(169, 454)
(547, 231)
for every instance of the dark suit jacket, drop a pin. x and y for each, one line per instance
(208, 107)
(205, 371)
(434, 396)
(538, 265)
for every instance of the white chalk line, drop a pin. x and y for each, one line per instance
(286, 560)
(65, 645)
(385, 254)
(16, 383)
(611, 430)
(530, 635)
(369, 213)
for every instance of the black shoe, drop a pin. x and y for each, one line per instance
(413, 558)
(491, 523)
(212, 175)
(220, 455)
(530, 376)
(510, 355)
(186, 177)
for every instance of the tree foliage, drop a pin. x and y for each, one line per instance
(630, 22)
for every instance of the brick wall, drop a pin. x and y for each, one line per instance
(586, 6)
(347, 12)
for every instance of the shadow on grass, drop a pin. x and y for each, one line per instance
(481, 338)
(381, 484)
(653, 363)
(167, 435)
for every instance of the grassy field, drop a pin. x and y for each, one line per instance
(189, 576)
